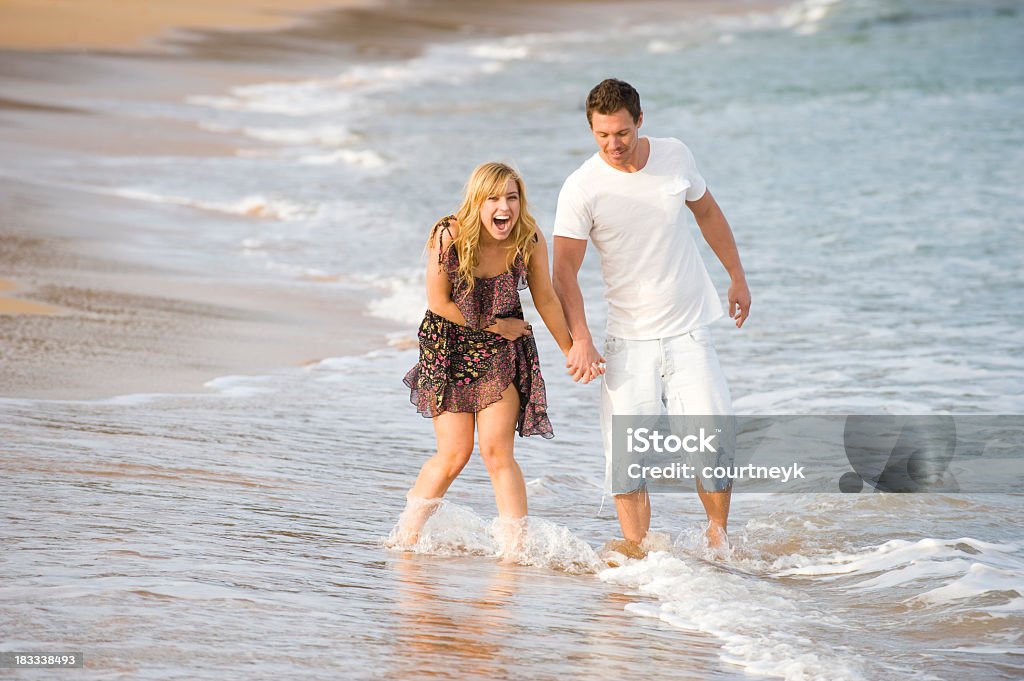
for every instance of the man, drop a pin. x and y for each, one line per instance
(627, 199)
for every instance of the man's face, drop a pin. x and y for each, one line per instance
(618, 136)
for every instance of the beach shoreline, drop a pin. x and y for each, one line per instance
(82, 316)
(110, 25)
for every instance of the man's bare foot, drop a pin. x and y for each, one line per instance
(616, 550)
(717, 537)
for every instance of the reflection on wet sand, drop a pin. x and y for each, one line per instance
(444, 636)
(474, 617)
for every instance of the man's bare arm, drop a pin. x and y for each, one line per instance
(718, 234)
(583, 361)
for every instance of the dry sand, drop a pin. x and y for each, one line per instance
(131, 24)
(388, 25)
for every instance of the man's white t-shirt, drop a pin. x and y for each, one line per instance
(656, 283)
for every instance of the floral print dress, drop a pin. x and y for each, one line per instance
(464, 368)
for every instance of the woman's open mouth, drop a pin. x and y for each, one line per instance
(502, 223)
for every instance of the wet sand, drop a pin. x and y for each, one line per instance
(80, 320)
(82, 316)
(15, 306)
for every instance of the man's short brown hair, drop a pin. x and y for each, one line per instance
(612, 95)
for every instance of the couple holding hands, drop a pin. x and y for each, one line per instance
(478, 365)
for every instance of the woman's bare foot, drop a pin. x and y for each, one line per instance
(510, 533)
(395, 541)
(406, 532)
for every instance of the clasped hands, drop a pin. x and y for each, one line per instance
(584, 362)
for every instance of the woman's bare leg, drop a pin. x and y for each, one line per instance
(454, 432)
(496, 428)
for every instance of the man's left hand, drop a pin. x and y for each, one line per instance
(739, 302)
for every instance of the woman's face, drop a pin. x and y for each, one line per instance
(499, 212)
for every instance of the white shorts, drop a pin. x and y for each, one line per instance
(678, 375)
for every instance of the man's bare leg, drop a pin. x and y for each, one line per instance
(634, 511)
(716, 505)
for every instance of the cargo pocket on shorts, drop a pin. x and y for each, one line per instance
(612, 347)
(701, 336)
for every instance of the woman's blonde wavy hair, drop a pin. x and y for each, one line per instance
(489, 179)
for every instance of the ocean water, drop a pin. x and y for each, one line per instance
(865, 152)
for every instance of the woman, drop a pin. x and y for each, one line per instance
(478, 363)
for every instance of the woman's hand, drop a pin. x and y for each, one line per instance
(510, 328)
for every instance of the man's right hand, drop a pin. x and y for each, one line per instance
(584, 362)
